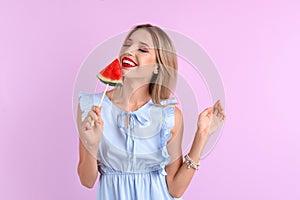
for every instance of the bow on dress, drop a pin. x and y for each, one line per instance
(141, 119)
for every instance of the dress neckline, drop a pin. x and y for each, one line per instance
(136, 111)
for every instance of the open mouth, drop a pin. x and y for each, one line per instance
(128, 63)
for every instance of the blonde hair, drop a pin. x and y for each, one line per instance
(163, 83)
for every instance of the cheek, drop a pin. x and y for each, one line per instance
(148, 60)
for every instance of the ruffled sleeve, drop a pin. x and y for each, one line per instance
(169, 122)
(86, 102)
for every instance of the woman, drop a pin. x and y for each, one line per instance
(135, 143)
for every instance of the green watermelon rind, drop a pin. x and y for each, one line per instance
(109, 81)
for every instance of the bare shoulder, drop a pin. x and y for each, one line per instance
(177, 113)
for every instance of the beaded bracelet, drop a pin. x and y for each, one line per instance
(190, 163)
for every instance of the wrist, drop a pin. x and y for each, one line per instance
(202, 135)
(198, 145)
(201, 131)
(190, 163)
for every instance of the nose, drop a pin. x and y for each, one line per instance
(131, 50)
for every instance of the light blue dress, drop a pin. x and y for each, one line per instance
(132, 153)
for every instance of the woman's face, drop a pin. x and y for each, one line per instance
(137, 56)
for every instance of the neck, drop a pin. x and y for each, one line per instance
(132, 93)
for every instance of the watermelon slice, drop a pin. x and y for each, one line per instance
(112, 74)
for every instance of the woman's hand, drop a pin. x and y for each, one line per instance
(211, 119)
(91, 129)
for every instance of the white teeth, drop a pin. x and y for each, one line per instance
(129, 62)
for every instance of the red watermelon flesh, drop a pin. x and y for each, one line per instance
(111, 74)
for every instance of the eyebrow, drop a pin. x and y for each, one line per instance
(140, 42)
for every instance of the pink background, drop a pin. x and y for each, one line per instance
(255, 46)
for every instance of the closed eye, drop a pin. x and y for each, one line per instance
(143, 50)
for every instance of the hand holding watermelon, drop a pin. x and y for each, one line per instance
(91, 134)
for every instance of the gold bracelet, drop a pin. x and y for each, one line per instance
(190, 163)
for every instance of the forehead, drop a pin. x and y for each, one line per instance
(142, 36)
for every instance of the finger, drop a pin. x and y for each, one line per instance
(203, 113)
(222, 110)
(207, 110)
(215, 110)
(87, 125)
(87, 119)
(221, 107)
(100, 122)
(218, 102)
(97, 110)
(216, 105)
(93, 115)
(90, 119)
(221, 116)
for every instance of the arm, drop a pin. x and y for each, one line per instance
(87, 167)
(178, 175)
